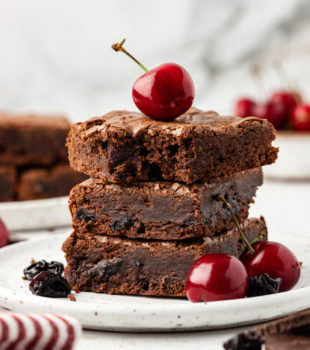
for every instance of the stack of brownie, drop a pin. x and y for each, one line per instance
(33, 158)
(151, 207)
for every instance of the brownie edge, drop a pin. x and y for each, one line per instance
(40, 183)
(199, 146)
(162, 210)
(7, 183)
(33, 140)
(113, 265)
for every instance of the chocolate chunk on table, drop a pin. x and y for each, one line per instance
(103, 264)
(7, 183)
(40, 183)
(198, 146)
(162, 210)
(32, 139)
(286, 333)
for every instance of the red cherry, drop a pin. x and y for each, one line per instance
(245, 107)
(276, 260)
(216, 277)
(4, 235)
(274, 112)
(300, 118)
(287, 99)
(165, 92)
(162, 93)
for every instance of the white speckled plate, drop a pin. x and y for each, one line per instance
(36, 214)
(141, 314)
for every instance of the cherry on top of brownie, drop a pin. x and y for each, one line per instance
(33, 139)
(124, 146)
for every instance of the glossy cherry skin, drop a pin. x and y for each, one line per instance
(275, 113)
(245, 107)
(287, 99)
(216, 277)
(276, 260)
(165, 92)
(300, 118)
(4, 235)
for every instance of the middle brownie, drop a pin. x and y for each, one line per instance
(162, 210)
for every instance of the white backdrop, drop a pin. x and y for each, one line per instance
(56, 55)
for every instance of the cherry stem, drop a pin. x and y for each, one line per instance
(259, 237)
(221, 198)
(282, 75)
(119, 47)
(256, 73)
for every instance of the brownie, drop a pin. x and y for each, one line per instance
(32, 139)
(40, 183)
(7, 183)
(114, 265)
(198, 146)
(162, 210)
(286, 333)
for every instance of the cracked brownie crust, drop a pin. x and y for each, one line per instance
(198, 146)
(161, 210)
(113, 265)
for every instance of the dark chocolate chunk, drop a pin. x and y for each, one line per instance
(123, 222)
(263, 285)
(104, 269)
(244, 341)
(139, 263)
(85, 214)
(190, 222)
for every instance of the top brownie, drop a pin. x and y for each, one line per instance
(33, 140)
(198, 146)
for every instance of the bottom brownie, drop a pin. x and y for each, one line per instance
(113, 265)
(46, 183)
(7, 183)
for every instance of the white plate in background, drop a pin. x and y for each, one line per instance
(145, 314)
(293, 163)
(36, 214)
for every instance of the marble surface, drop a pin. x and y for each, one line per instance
(57, 56)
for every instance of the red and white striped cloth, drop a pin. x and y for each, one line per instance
(33, 331)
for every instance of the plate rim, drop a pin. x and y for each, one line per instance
(32, 203)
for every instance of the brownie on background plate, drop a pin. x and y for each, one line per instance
(162, 210)
(34, 158)
(32, 139)
(40, 183)
(114, 265)
(7, 183)
(198, 146)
